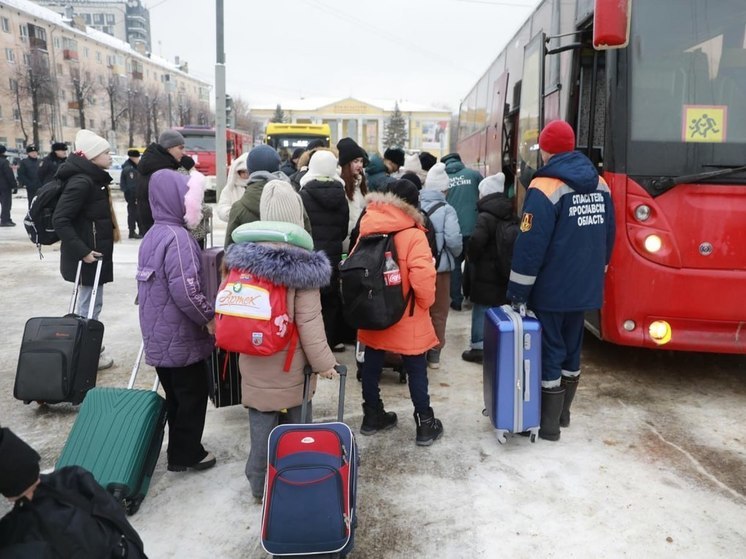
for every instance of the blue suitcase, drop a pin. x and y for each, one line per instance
(512, 372)
(310, 489)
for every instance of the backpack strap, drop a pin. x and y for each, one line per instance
(292, 344)
(434, 209)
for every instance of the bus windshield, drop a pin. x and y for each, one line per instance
(199, 143)
(292, 141)
(687, 85)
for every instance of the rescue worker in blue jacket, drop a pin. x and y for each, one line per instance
(559, 260)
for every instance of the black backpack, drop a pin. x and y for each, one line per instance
(367, 302)
(38, 220)
(69, 516)
(431, 239)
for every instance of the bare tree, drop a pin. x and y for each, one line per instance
(185, 109)
(118, 107)
(19, 100)
(134, 109)
(241, 113)
(83, 89)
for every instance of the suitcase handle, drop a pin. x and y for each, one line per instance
(136, 368)
(307, 372)
(526, 380)
(76, 287)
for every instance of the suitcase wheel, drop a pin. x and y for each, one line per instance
(132, 506)
(500, 435)
(533, 437)
(485, 413)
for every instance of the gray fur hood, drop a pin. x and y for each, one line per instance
(282, 264)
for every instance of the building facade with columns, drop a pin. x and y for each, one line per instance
(59, 75)
(364, 120)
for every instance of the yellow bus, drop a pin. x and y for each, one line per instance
(291, 136)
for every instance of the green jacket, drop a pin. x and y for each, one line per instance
(246, 209)
(463, 194)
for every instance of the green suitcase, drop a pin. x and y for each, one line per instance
(117, 436)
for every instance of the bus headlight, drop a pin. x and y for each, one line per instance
(642, 213)
(653, 243)
(660, 332)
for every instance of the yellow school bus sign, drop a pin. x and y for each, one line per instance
(704, 123)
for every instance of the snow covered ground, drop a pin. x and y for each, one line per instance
(654, 464)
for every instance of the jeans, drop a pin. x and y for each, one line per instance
(416, 367)
(260, 425)
(84, 300)
(186, 405)
(477, 325)
(458, 277)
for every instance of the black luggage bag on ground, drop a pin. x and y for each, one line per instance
(58, 361)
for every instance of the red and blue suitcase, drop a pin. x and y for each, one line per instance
(310, 490)
(58, 361)
(512, 372)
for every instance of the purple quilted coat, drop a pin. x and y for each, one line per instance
(173, 307)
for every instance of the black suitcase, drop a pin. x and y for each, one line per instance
(58, 361)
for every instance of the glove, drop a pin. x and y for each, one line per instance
(518, 306)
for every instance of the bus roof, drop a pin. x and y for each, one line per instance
(274, 128)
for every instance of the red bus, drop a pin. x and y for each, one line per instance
(200, 145)
(664, 118)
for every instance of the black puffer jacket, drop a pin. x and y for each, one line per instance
(326, 206)
(490, 249)
(82, 219)
(48, 167)
(153, 159)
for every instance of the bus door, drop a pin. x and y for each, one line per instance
(495, 129)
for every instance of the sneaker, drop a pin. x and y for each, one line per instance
(456, 306)
(339, 348)
(433, 358)
(134, 235)
(104, 361)
(205, 464)
(473, 355)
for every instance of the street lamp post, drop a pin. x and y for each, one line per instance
(221, 149)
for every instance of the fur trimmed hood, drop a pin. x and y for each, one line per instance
(176, 198)
(379, 201)
(280, 263)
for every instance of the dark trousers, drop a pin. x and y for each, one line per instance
(186, 405)
(30, 193)
(6, 199)
(416, 367)
(132, 218)
(460, 279)
(561, 343)
(331, 311)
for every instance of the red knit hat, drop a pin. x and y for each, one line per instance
(557, 137)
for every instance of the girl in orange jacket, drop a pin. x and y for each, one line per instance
(397, 210)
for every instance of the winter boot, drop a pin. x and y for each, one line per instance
(428, 427)
(571, 386)
(375, 419)
(551, 408)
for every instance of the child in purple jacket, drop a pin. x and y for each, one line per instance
(176, 318)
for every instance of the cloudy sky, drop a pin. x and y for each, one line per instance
(426, 51)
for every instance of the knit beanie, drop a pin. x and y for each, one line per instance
(557, 137)
(437, 179)
(263, 158)
(413, 178)
(133, 153)
(280, 202)
(412, 163)
(323, 165)
(491, 185)
(170, 139)
(19, 464)
(395, 155)
(448, 157)
(90, 145)
(406, 190)
(349, 151)
(427, 160)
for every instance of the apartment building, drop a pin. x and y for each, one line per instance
(58, 75)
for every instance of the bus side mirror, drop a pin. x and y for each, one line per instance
(611, 24)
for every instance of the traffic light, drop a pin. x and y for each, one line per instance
(230, 117)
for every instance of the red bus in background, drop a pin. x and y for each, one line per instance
(200, 145)
(661, 112)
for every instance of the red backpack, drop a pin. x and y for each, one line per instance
(251, 317)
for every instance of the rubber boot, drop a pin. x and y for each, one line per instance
(429, 428)
(571, 386)
(375, 419)
(551, 408)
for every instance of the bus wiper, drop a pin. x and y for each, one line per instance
(665, 184)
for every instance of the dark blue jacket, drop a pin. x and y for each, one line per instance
(567, 233)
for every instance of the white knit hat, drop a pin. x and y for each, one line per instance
(412, 163)
(437, 179)
(491, 185)
(322, 166)
(90, 145)
(280, 202)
